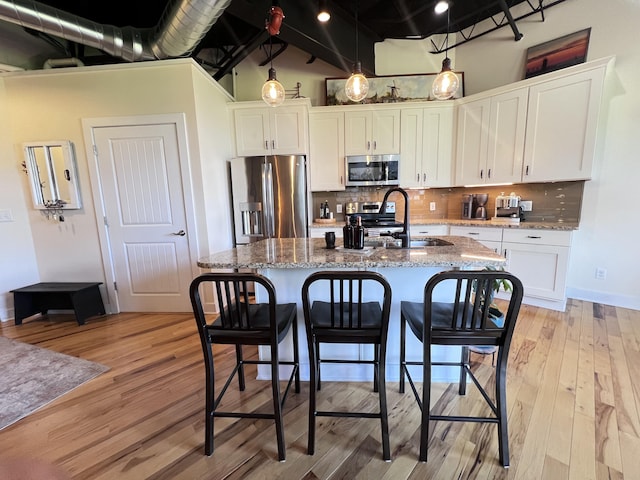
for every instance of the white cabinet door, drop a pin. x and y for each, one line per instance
(270, 131)
(506, 137)
(326, 151)
(252, 132)
(472, 141)
(541, 268)
(288, 130)
(426, 147)
(491, 134)
(561, 127)
(372, 131)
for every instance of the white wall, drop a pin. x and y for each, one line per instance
(49, 105)
(17, 254)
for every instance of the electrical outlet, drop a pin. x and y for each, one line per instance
(338, 208)
(432, 206)
(601, 273)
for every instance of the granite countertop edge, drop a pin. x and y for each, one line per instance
(566, 226)
(310, 253)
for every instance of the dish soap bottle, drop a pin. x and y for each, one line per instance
(358, 235)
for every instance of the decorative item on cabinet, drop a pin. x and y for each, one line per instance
(556, 54)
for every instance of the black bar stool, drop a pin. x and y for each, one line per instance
(468, 319)
(241, 322)
(346, 318)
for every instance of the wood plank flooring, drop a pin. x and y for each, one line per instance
(573, 397)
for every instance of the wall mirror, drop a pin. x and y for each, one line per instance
(52, 174)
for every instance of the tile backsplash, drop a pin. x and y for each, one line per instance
(552, 202)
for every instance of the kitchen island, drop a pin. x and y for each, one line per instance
(287, 262)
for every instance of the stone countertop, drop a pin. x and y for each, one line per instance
(311, 253)
(567, 226)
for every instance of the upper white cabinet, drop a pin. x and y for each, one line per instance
(490, 139)
(268, 130)
(426, 144)
(372, 131)
(326, 151)
(561, 127)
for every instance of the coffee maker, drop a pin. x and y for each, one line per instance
(480, 212)
(468, 207)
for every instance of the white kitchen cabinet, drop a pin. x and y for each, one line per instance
(426, 144)
(489, 237)
(428, 230)
(270, 131)
(490, 139)
(372, 131)
(318, 232)
(562, 122)
(539, 259)
(326, 151)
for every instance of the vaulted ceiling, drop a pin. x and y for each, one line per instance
(241, 27)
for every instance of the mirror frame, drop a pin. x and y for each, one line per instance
(53, 183)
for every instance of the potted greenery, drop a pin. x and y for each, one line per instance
(496, 316)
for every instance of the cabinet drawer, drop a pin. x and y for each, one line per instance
(318, 232)
(537, 237)
(423, 230)
(478, 233)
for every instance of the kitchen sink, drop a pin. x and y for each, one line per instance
(422, 243)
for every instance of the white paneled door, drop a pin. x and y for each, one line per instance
(141, 182)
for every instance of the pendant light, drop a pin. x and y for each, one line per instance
(272, 91)
(357, 85)
(446, 83)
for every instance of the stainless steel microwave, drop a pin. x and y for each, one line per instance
(367, 170)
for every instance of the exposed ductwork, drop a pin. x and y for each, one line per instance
(183, 25)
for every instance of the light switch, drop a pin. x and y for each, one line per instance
(5, 215)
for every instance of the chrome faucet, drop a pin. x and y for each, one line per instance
(404, 235)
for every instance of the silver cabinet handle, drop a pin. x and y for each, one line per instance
(482, 173)
(266, 144)
(417, 177)
(368, 145)
(424, 177)
(526, 172)
(533, 236)
(375, 145)
(489, 173)
(181, 233)
(273, 144)
(473, 233)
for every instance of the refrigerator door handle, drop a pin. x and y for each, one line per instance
(267, 200)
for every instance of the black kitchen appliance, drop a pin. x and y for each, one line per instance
(468, 206)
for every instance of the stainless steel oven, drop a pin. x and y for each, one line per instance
(367, 170)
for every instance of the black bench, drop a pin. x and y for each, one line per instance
(83, 298)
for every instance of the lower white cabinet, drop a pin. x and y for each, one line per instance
(318, 232)
(427, 230)
(489, 237)
(539, 258)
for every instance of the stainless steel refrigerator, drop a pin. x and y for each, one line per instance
(269, 197)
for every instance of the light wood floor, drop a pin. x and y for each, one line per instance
(573, 393)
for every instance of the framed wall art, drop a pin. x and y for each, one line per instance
(389, 89)
(556, 54)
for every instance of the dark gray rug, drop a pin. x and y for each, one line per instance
(31, 377)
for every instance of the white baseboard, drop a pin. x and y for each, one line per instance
(6, 314)
(624, 301)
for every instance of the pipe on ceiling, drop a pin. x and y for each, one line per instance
(182, 26)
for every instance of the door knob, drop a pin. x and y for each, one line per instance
(181, 233)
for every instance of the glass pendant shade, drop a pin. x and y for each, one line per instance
(357, 85)
(446, 83)
(272, 91)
